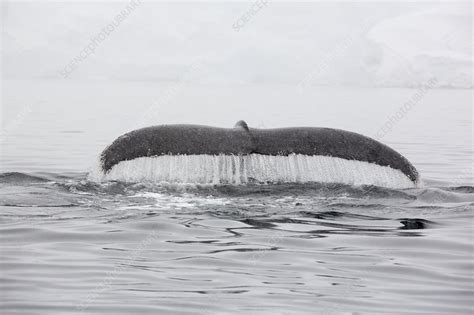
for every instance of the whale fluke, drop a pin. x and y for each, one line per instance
(188, 153)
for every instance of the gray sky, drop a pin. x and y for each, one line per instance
(305, 43)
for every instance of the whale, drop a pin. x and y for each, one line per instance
(241, 154)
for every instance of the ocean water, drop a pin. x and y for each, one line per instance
(72, 245)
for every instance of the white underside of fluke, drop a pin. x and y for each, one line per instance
(241, 169)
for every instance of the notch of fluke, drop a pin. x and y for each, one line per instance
(241, 125)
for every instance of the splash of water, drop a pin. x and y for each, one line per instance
(242, 169)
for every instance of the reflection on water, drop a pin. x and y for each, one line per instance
(70, 246)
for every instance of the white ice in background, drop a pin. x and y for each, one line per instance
(235, 169)
(418, 46)
(284, 43)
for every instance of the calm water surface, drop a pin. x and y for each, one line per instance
(72, 246)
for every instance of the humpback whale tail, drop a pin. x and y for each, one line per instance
(202, 154)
